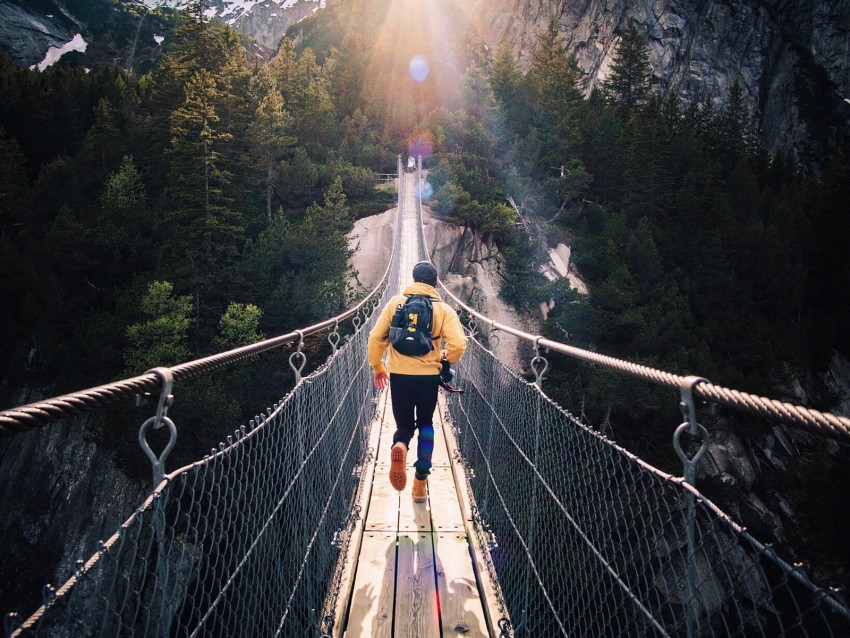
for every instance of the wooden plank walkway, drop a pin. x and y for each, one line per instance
(416, 571)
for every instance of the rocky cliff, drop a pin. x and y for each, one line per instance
(122, 33)
(27, 34)
(61, 495)
(791, 56)
(266, 21)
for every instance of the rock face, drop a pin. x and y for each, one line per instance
(789, 55)
(28, 28)
(266, 21)
(26, 35)
(470, 268)
(61, 495)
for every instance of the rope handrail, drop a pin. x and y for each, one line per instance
(837, 427)
(39, 413)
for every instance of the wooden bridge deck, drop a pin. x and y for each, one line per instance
(415, 570)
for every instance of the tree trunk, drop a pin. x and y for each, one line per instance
(269, 187)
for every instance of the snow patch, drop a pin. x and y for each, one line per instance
(159, 38)
(54, 53)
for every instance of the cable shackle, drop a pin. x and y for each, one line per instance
(494, 340)
(298, 353)
(158, 462)
(334, 338)
(693, 427)
(539, 364)
(166, 398)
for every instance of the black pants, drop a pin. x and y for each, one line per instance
(414, 401)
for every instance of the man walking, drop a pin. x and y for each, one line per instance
(414, 379)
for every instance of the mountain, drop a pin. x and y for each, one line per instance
(265, 21)
(102, 32)
(788, 55)
(130, 33)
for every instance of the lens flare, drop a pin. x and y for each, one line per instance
(419, 144)
(419, 68)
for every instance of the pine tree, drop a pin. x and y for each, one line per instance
(732, 128)
(554, 81)
(124, 200)
(554, 77)
(269, 131)
(508, 86)
(203, 229)
(335, 213)
(239, 326)
(628, 85)
(647, 185)
(103, 143)
(163, 337)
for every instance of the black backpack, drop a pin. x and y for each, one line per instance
(410, 328)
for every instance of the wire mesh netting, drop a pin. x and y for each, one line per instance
(244, 542)
(587, 540)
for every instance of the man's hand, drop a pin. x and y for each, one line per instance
(381, 380)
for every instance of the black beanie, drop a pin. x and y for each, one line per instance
(425, 272)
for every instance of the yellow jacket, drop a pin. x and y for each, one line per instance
(445, 326)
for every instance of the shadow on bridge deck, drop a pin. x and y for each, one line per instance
(416, 570)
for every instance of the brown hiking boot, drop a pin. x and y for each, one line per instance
(420, 490)
(398, 466)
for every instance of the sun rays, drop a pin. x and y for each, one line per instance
(417, 61)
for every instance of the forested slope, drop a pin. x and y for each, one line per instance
(146, 220)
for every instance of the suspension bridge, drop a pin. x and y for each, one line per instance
(536, 525)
